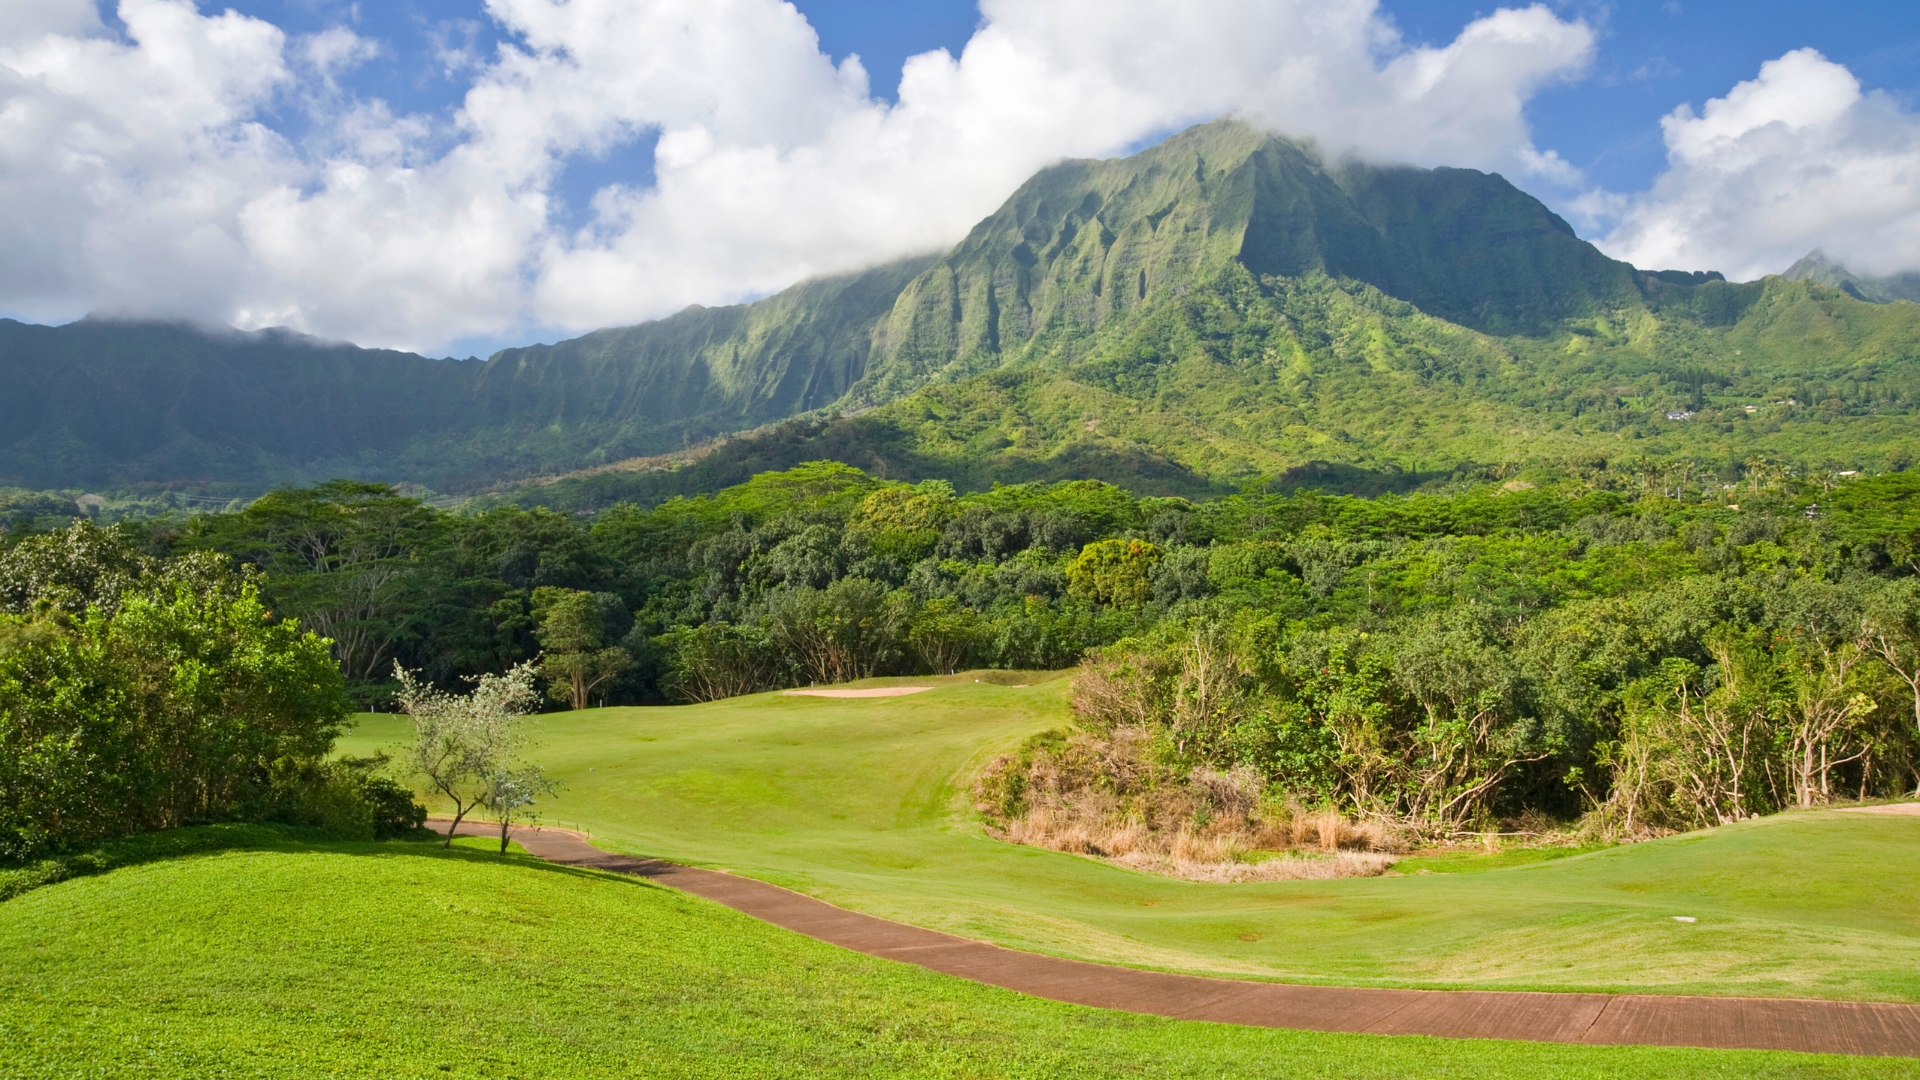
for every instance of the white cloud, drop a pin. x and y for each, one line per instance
(123, 166)
(29, 20)
(338, 49)
(141, 170)
(1795, 159)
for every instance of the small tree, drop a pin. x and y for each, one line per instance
(571, 626)
(1825, 709)
(849, 630)
(508, 792)
(463, 743)
(716, 660)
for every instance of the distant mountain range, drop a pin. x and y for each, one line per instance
(1223, 308)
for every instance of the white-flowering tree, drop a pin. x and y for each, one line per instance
(509, 794)
(468, 745)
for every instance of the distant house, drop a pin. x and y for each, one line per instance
(1679, 416)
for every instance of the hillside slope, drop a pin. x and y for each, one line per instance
(105, 403)
(701, 371)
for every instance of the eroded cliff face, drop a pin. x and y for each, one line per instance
(1087, 243)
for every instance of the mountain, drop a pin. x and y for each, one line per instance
(106, 403)
(99, 402)
(1816, 267)
(1087, 243)
(703, 371)
(1222, 309)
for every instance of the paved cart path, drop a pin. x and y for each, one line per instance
(1839, 1027)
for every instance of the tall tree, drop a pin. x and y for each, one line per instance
(571, 626)
(344, 556)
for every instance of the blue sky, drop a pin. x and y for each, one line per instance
(438, 175)
(1652, 57)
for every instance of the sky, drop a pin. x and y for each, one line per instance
(452, 176)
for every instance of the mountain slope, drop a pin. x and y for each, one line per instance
(103, 403)
(1329, 383)
(1221, 308)
(702, 370)
(99, 402)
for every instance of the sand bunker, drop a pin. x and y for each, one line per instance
(1911, 809)
(867, 691)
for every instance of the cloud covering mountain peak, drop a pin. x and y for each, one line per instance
(143, 176)
(178, 162)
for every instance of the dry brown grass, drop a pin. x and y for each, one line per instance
(1107, 796)
(1287, 867)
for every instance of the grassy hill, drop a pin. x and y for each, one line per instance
(861, 803)
(401, 960)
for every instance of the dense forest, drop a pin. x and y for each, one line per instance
(1649, 649)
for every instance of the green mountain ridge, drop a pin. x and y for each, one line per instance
(1220, 309)
(1816, 267)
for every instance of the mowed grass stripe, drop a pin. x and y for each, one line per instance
(399, 960)
(862, 803)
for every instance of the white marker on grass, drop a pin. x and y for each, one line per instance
(1684, 918)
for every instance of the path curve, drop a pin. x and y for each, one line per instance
(1835, 1027)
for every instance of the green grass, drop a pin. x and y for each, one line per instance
(857, 802)
(400, 960)
(1474, 862)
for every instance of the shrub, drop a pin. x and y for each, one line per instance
(1116, 795)
(176, 701)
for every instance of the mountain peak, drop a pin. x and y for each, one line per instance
(1086, 242)
(1816, 267)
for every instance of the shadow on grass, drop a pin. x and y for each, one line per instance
(17, 879)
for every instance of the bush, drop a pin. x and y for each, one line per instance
(346, 799)
(395, 813)
(177, 700)
(1117, 795)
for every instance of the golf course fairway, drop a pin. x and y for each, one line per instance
(861, 802)
(276, 958)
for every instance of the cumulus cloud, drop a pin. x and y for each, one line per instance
(122, 164)
(136, 173)
(1797, 158)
